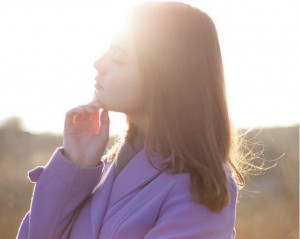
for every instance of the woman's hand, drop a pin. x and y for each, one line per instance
(84, 139)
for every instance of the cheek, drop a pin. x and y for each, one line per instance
(126, 92)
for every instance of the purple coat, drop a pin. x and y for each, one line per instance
(89, 203)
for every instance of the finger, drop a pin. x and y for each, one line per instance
(75, 110)
(104, 117)
(95, 124)
(96, 104)
(95, 116)
(71, 113)
(81, 117)
(89, 108)
(80, 113)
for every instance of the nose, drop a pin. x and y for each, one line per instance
(100, 66)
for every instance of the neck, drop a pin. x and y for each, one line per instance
(139, 121)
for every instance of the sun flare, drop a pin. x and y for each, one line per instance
(48, 52)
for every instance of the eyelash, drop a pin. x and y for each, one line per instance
(112, 56)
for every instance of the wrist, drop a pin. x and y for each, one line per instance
(78, 162)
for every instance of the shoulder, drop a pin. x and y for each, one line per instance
(179, 193)
(181, 217)
(178, 183)
(181, 182)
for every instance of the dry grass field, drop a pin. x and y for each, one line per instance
(268, 206)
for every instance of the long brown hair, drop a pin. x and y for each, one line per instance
(187, 116)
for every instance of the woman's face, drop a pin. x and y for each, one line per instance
(118, 84)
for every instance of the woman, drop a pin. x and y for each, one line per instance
(171, 175)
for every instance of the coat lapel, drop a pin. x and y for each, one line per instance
(137, 173)
(101, 198)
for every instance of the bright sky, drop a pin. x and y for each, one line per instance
(48, 48)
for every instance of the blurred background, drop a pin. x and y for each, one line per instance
(47, 52)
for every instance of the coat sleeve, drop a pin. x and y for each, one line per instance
(60, 187)
(181, 218)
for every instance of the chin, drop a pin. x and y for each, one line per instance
(96, 101)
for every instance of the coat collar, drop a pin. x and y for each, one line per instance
(111, 189)
(137, 173)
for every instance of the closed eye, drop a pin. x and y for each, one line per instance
(117, 55)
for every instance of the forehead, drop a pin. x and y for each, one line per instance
(123, 37)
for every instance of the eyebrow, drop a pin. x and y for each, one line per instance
(119, 48)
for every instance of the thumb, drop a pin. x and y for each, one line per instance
(104, 125)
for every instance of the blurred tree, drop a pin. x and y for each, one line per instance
(13, 124)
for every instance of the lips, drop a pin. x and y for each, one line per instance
(98, 86)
